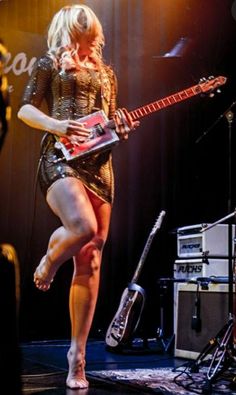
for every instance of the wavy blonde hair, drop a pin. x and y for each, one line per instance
(65, 30)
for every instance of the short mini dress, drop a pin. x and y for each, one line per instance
(73, 94)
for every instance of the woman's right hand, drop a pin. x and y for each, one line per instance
(75, 131)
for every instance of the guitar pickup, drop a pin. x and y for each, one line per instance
(98, 130)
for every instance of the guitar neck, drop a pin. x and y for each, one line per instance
(155, 228)
(167, 101)
(202, 87)
(142, 259)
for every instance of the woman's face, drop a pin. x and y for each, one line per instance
(86, 46)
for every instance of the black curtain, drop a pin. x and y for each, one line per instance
(157, 48)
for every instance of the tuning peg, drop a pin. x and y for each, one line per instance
(211, 95)
(218, 90)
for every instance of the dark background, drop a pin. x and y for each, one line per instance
(160, 167)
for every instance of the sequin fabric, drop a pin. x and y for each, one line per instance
(71, 95)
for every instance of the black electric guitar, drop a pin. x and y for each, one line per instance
(102, 134)
(127, 317)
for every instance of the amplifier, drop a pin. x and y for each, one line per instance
(191, 242)
(213, 315)
(200, 267)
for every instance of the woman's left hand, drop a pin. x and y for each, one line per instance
(124, 123)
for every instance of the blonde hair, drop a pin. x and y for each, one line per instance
(67, 26)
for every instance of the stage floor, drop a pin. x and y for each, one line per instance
(44, 367)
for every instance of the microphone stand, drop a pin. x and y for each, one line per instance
(221, 344)
(229, 116)
(228, 110)
(223, 341)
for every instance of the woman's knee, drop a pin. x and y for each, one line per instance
(90, 255)
(93, 249)
(85, 228)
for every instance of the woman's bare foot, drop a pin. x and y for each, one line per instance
(44, 274)
(76, 375)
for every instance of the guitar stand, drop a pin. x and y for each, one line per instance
(166, 344)
(222, 357)
(221, 343)
(158, 344)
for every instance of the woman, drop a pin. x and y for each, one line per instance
(74, 80)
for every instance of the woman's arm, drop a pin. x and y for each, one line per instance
(35, 92)
(37, 119)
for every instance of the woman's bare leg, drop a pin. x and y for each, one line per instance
(68, 199)
(83, 294)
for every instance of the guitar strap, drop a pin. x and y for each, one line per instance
(100, 103)
(135, 287)
(98, 100)
(105, 93)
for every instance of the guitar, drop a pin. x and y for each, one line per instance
(102, 134)
(127, 317)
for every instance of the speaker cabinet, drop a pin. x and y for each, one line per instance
(209, 307)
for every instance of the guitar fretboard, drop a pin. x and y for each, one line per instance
(162, 103)
(147, 246)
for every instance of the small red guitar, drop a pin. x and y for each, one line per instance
(103, 136)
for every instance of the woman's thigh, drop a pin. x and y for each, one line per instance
(102, 212)
(69, 200)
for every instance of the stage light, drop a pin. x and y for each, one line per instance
(179, 49)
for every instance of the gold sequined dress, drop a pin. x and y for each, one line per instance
(73, 94)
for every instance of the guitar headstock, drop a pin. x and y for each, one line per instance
(210, 84)
(158, 222)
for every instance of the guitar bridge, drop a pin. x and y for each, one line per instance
(96, 131)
